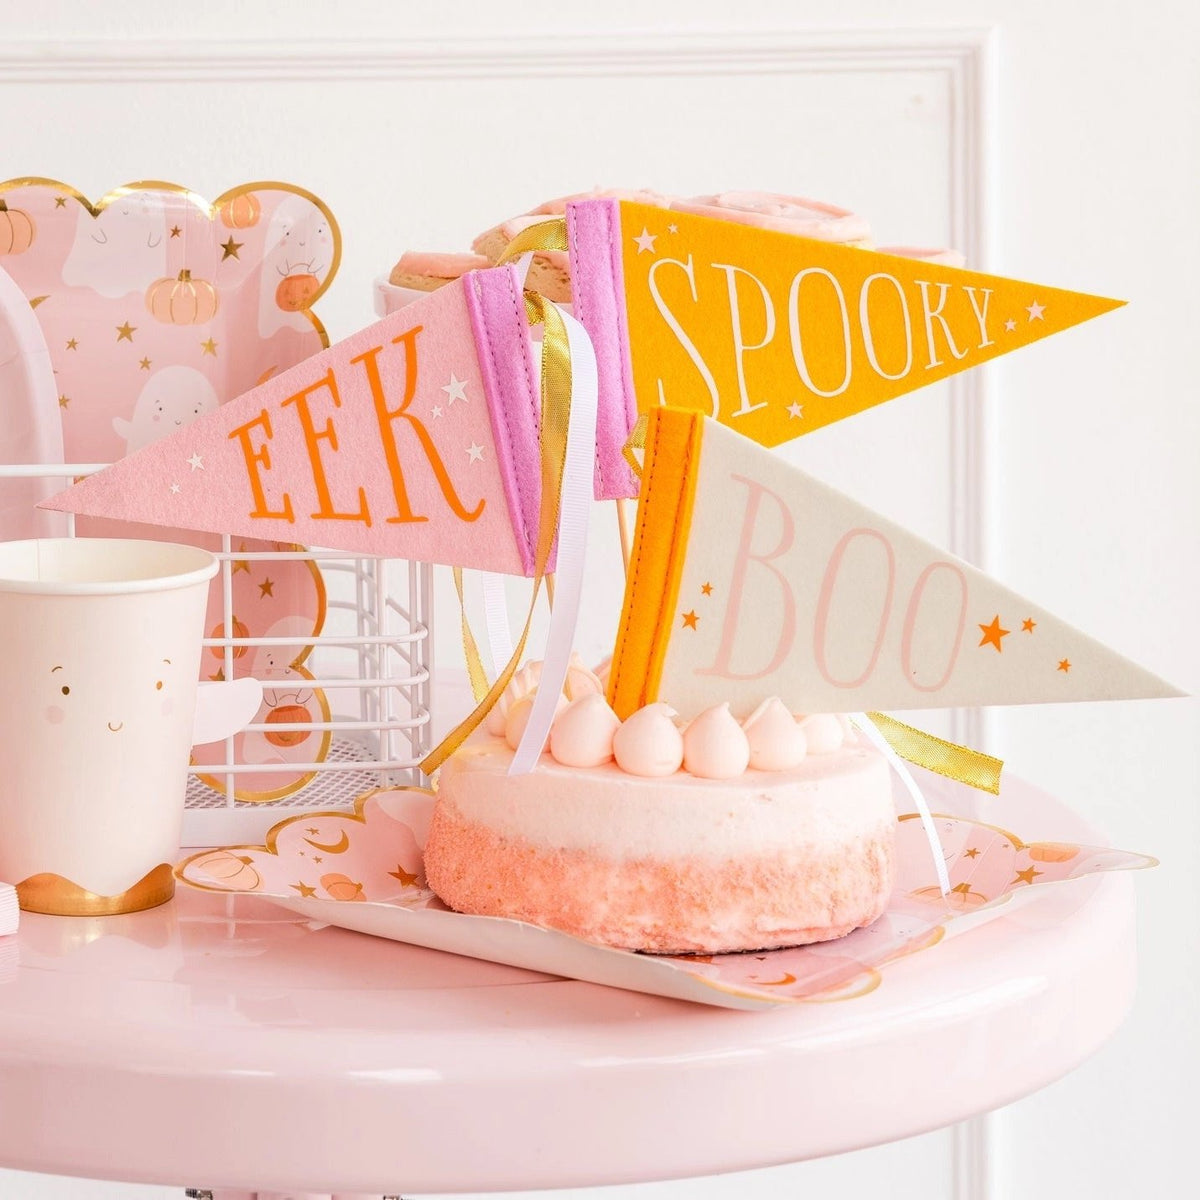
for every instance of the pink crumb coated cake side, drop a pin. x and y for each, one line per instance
(675, 864)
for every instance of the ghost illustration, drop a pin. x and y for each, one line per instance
(122, 250)
(296, 260)
(172, 398)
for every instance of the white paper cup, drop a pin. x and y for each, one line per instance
(100, 643)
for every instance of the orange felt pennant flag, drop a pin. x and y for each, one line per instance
(776, 335)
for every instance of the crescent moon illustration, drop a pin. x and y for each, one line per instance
(788, 977)
(338, 847)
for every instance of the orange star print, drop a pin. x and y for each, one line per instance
(993, 633)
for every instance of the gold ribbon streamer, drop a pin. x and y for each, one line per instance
(960, 763)
(636, 441)
(550, 234)
(556, 411)
(475, 668)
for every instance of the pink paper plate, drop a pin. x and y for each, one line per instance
(157, 306)
(363, 871)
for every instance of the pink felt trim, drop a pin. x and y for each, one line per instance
(505, 354)
(598, 289)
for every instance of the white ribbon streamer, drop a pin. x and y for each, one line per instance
(495, 615)
(866, 726)
(573, 512)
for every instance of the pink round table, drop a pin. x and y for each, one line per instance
(227, 1043)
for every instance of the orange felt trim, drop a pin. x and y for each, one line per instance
(659, 550)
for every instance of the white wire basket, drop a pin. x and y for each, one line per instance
(372, 659)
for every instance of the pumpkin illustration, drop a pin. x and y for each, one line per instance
(1054, 852)
(287, 714)
(183, 300)
(17, 230)
(218, 633)
(235, 871)
(960, 896)
(342, 887)
(295, 291)
(240, 212)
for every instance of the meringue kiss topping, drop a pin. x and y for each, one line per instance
(777, 743)
(518, 717)
(581, 681)
(648, 743)
(714, 745)
(582, 735)
(824, 733)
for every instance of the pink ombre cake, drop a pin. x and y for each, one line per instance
(715, 837)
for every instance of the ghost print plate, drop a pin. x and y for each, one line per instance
(157, 306)
(362, 870)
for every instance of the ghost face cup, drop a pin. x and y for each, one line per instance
(100, 643)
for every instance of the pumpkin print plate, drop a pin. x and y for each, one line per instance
(156, 307)
(362, 870)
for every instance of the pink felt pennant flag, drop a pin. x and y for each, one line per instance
(415, 438)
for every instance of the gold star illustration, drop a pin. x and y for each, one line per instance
(125, 332)
(60, 202)
(219, 677)
(1065, 665)
(972, 853)
(690, 620)
(72, 343)
(313, 830)
(209, 347)
(405, 878)
(317, 858)
(706, 589)
(266, 588)
(64, 401)
(240, 564)
(175, 231)
(304, 890)
(993, 633)
(1025, 876)
(145, 364)
(1028, 625)
(230, 248)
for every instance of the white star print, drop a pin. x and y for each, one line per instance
(672, 228)
(1035, 311)
(437, 410)
(456, 389)
(196, 463)
(795, 410)
(175, 489)
(475, 452)
(645, 241)
(1010, 325)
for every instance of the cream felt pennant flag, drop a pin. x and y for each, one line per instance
(752, 579)
(416, 438)
(776, 335)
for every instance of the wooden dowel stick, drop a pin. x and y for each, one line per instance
(626, 534)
